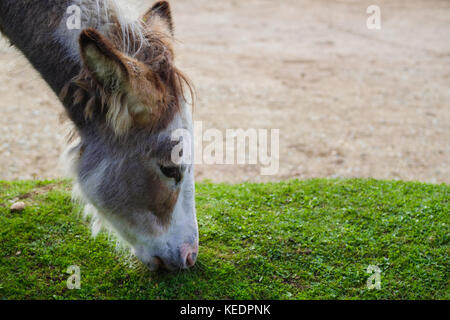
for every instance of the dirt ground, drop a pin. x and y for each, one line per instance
(349, 102)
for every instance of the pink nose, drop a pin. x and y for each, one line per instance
(189, 254)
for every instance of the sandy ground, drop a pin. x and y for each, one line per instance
(349, 102)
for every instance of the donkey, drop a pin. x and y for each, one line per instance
(121, 90)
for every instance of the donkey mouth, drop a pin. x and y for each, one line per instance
(157, 262)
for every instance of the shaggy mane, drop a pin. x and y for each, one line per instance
(147, 46)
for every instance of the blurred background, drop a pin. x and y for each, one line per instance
(349, 102)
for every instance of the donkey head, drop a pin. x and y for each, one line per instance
(124, 165)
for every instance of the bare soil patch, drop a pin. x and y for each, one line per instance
(349, 102)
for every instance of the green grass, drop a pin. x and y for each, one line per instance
(291, 240)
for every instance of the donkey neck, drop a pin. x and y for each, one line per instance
(38, 29)
(32, 27)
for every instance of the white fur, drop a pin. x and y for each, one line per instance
(183, 227)
(96, 14)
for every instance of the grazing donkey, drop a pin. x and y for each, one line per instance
(120, 88)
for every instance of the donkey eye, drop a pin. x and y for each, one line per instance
(172, 172)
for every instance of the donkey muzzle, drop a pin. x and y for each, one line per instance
(183, 259)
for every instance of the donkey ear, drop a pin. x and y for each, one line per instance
(160, 9)
(106, 64)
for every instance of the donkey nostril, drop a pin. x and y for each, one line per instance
(190, 259)
(188, 254)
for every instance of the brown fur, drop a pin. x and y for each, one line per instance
(161, 9)
(149, 79)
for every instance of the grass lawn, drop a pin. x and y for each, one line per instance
(292, 240)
